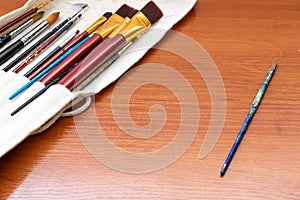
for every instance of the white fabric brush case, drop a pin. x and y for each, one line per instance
(46, 109)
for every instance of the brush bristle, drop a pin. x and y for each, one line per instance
(152, 12)
(107, 15)
(124, 10)
(52, 18)
(38, 16)
(132, 13)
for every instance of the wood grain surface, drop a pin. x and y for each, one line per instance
(242, 37)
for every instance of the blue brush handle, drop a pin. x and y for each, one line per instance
(48, 69)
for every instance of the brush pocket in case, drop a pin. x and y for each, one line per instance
(46, 109)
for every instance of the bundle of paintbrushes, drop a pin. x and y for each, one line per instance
(43, 72)
(90, 53)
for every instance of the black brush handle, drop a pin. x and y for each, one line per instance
(10, 51)
(28, 51)
(65, 28)
(4, 40)
(50, 55)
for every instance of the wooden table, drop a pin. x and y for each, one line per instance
(242, 37)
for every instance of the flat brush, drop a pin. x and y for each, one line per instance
(42, 40)
(46, 44)
(50, 59)
(49, 68)
(19, 44)
(23, 16)
(138, 24)
(93, 27)
(42, 91)
(12, 34)
(94, 40)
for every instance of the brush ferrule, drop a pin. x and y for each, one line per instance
(96, 24)
(21, 28)
(43, 4)
(32, 34)
(138, 24)
(119, 28)
(113, 22)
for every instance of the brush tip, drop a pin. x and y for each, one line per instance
(152, 12)
(52, 18)
(124, 10)
(107, 15)
(132, 13)
(38, 16)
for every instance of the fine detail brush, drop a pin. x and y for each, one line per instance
(23, 16)
(42, 40)
(46, 44)
(137, 25)
(54, 64)
(42, 91)
(11, 50)
(50, 59)
(59, 48)
(249, 117)
(81, 85)
(12, 34)
(114, 21)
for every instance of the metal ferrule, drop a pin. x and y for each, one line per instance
(38, 29)
(138, 24)
(119, 28)
(113, 22)
(21, 28)
(96, 24)
(43, 4)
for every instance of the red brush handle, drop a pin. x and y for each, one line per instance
(35, 54)
(74, 57)
(95, 59)
(18, 19)
(59, 54)
(76, 40)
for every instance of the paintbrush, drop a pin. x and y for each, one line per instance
(137, 25)
(42, 91)
(248, 119)
(23, 16)
(51, 66)
(11, 50)
(46, 44)
(94, 40)
(42, 40)
(12, 34)
(102, 68)
(113, 22)
(62, 49)
(81, 85)
(59, 48)
(144, 15)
